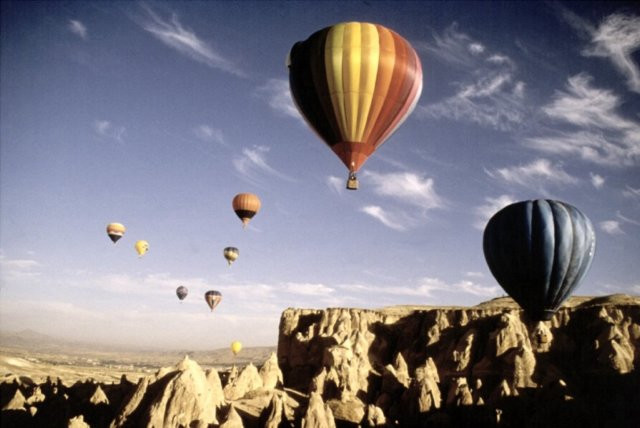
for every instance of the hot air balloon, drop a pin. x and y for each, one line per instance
(115, 231)
(142, 247)
(539, 251)
(246, 205)
(231, 254)
(354, 83)
(182, 292)
(236, 347)
(213, 298)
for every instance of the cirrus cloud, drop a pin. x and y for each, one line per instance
(185, 41)
(533, 174)
(78, 28)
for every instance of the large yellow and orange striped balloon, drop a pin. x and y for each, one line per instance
(355, 83)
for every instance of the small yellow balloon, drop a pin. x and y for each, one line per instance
(236, 347)
(142, 247)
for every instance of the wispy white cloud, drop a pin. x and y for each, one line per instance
(612, 227)
(586, 145)
(582, 104)
(429, 287)
(627, 219)
(336, 184)
(633, 289)
(252, 164)
(617, 38)
(209, 134)
(384, 217)
(18, 269)
(603, 136)
(78, 28)
(105, 128)
(308, 289)
(475, 289)
(492, 205)
(453, 46)
(173, 34)
(415, 191)
(49, 309)
(407, 187)
(474, 274)
(597, 180)
(631, 192)
(476, 48)
(278, 95)
(534, 174)
(489, 95)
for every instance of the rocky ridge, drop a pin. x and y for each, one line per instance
(403, 366)
(479, 366)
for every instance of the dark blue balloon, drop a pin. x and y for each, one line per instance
(539, 251)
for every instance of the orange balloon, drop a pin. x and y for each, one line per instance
(246, 205)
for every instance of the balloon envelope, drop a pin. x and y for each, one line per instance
(246, 205)
(115, 231)
(182, 292)
(539, 251)
(231, 254)
(355, 83)
(213, 298)
(236, 347)
(141, 248)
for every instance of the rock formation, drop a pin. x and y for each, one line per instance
(489, 363)
(402, 366)
(178, 396)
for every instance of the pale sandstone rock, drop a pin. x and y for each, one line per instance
(131, 403)
(395, 367)
(462, 354)
(375, 416)
(78, 422)
(98, 397)
(350, 410)
(276, 413)
(318, 381)
(248, 380)
(318, 414)
(425, 387)
(213, 379)
(541, 337)
(36, 396)
(340, 351)
(183, 396)
(233, 420)
(17, 402)
(459, 393)
(270, 373)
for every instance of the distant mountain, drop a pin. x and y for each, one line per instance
(33, 341)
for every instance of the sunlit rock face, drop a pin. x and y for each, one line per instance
(418, 365)
(175, 396)
(402, 366)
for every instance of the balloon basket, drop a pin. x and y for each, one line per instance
(352, 182)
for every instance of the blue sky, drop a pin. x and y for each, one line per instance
(156, 114)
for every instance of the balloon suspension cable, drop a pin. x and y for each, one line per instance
(352, 181)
